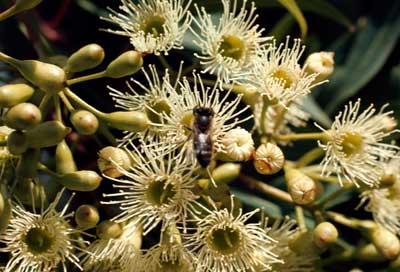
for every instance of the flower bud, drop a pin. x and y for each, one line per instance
(13, 94)
(302, 242)
(23, 116)
(108, 230)
(369, 253)
(87, 57)
(17, 143)
(84, 122)
(301, 188)
(126, 64)
(83, 181)
(110, 158)
(87, 216)
(238, 145)
(325, 234)
(268, 159)
(27, 165)
(47, 134)
(226, 172)
(250, 95)
(134, 121)
(385, 242)
(5, 216)
(321, 63)
(65, 162)
(22, 5)
(48, 77)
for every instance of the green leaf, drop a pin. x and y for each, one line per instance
(92, 8)
(294, 9)
(311, 106)
(253, 201)
(369, 53)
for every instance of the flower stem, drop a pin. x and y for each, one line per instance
(82, 103)
(86, 78)
(66, 102)
(301, 136)
(57, 108)
(348, 221)
(309, 157)
(255, 184)
(300, 218)
(7, 13)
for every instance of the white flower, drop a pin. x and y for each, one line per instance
(167, 257)
(232, 45)
(40, 241)
(354, 148)
(282, 231)
(154, 101)
(157, 188)
(179, 122)
(115, 254)
(384, 203)
(153, 26)
(278, 75)
(224, 242)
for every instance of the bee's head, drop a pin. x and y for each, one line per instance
(203, 111)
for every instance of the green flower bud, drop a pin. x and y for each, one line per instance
(5, 216)
(27, 165)
(369, 253)
(23, 116)
(87, 216)
(21, 5)
(109, 158)
(108, 230)
(325, 234)
(83, 181)
(226, 172)
(17, 143)
(13, 94)
(47, 134)
(87, 57)
(126, 64)
(250, 95)
(301, 188)
(84, 122)
(48, 77)
(30, 192)
(134, 121)
(385, 242)
(302, 242)
(65, 162)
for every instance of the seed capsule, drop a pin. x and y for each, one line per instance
(48, 77)
(87, 57)
(238, 145)
(87, 216)
(226, 172)
(134, 121)
(110, 158)
(126, 64)
(23, 116)
(47, 134)
(83, 181)
(84, 122)
(65, 162)
(301, 188)
(268, 159)
(17, 143)
(108, 230)
(13, 94)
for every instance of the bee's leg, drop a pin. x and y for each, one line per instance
(211, 178)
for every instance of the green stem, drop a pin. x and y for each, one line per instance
(57, 108)
(86, 78)
(309, 157)
(82, 103)
(301, 136)
(7, 59)
(255, 184)
(263, 115)
(318, 176)
(44, 168)
(7, 13)
(66, 102)
(190, 68)
(348, 221)
(165, 63)
(43, 104)
(300, 218)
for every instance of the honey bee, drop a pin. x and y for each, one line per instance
(202, 141)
